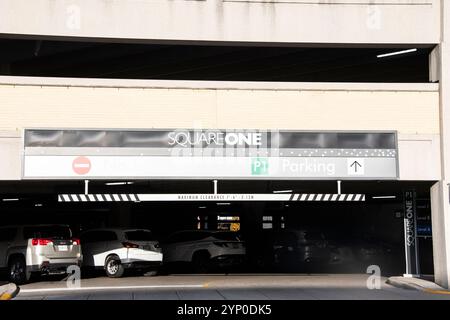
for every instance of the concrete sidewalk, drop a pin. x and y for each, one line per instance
(219, 287)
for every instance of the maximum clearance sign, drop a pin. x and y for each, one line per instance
(208, 154)
(308, 197)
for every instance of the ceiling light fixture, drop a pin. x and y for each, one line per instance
(384, 197)
(282, 191)
(396, 53)
(118, 183)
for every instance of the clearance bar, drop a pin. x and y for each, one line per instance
(211, 197)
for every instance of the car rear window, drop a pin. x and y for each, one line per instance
(139, 235)
(52, 232)
(227, 236)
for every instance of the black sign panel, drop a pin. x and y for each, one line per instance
(410, 225)
(214, 138)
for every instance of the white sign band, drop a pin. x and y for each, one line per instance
(351, 197)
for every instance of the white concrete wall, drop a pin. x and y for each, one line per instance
(287, 21)
(419, 157)
(10, 155)
(410, 109)
(440, 191)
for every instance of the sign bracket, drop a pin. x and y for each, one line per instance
(86, 186)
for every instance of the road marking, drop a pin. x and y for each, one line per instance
(6, 296)
(8, 291)
(111, 288)
(437, 291)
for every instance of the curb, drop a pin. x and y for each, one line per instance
(404, 285)
(9, 291)
(413, 286)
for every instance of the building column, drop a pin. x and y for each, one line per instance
(441, 233)
(440, 191)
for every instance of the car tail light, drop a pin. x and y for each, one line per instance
(76, 242)
(41, 242)
(130, 245)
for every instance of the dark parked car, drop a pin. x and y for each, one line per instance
(204, 250)
(295, 250)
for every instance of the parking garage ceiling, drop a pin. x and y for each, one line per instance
(50, 188)
(201, 62)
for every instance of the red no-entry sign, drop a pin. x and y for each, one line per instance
(81, 165)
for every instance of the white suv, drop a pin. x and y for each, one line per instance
(118, 249)
(204, 249)
(38, 249)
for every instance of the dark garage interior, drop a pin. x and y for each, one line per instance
(174, 61)
(354, 235)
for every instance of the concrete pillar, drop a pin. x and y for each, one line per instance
(440, 191)
(441, 233)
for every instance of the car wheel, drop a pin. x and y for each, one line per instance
(200, 261)
(17, 268)
(113, 267)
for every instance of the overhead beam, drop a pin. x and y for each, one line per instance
(307, 197)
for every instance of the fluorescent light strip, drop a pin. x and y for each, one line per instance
(15, 199)
(282, 191)
(117, 183)
(384, 197)
(396, 53)
(223, 203)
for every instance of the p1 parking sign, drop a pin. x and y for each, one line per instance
(260, 166)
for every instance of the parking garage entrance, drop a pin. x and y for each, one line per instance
(297, 201)
(337, 236)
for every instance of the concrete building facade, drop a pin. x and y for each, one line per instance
(418, 112)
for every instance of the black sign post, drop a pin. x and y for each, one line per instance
(410, 226)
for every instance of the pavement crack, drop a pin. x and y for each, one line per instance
(262, 293)
(220, 294)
